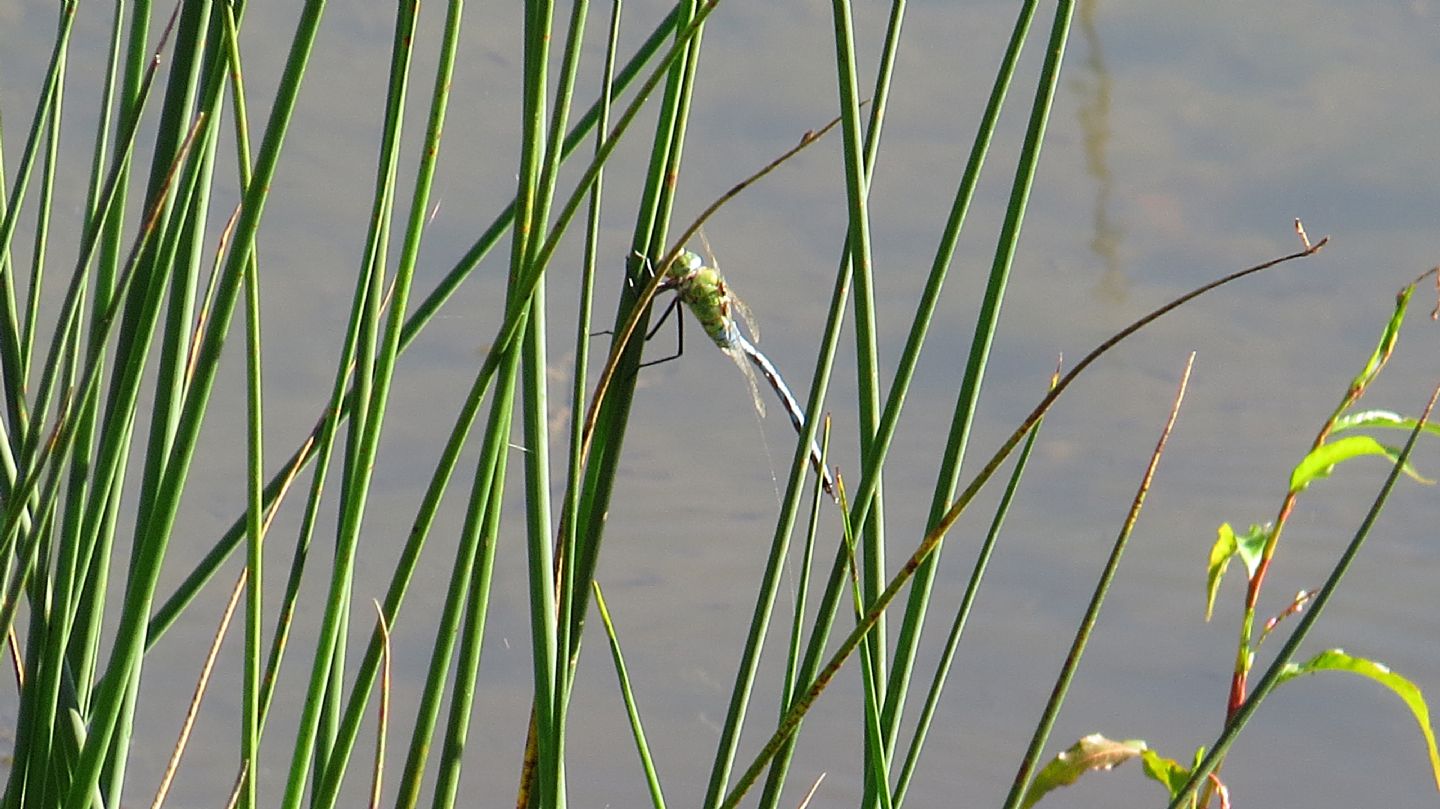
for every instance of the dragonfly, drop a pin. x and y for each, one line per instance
(703, 290)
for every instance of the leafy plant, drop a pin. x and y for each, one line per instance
(95, 467)
(1199, 784)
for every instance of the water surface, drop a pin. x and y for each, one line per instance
(1183, 143)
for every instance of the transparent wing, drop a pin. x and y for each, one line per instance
(792, 407)
(745, 315)
(777, 384)
(731, 299)
(738, 357)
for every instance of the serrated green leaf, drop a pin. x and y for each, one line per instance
(1094, 752)
(1322, 461)
(1338, 660)
(1168, 772)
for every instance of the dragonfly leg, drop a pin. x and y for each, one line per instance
(644, 262)
(679, 333)
(653, 329)
(674, 303)
(630, 282)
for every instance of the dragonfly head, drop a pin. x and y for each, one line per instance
(686, 263)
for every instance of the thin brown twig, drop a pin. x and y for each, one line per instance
(805, 802)
(12, 642)
(1024, 775)
(602, 386)
(203, 681)
(1296, 606)
(652, 288)
(282, 629)
(931, 541)
(203, 317)
(62, 436)
(238, 786)
(1239, 680)
(383, 712)
(1435, 271)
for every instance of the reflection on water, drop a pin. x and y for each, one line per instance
(1093, 85)
(1191, 114)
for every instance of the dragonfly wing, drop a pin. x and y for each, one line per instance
(777, 384)
(792, 406)
(738, 357)
(745, 315)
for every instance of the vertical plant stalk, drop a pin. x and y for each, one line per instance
(565, 571)
(485, 375)
(166, 615)
(42, 226)
(10, 361)
(1244, 658)
(967, 398)
(255, 459)
(819, 387)
(549, 619)
(962, 612)
(1272, 675)
(535, 188)
(652, 778)
(382, 711)
(1024, 777)
(932, 538)
(872, 530)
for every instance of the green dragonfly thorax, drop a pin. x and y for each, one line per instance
(704, 293)
(702, 289)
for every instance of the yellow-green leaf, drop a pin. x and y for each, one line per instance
(1388, 339)
(1363, 419)
(1094, 752)
(1338, 660)
(1249, 546)
(1321, 462)
(1220, 555)
(1168, 772)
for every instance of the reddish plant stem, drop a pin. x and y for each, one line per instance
(1245, 657)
